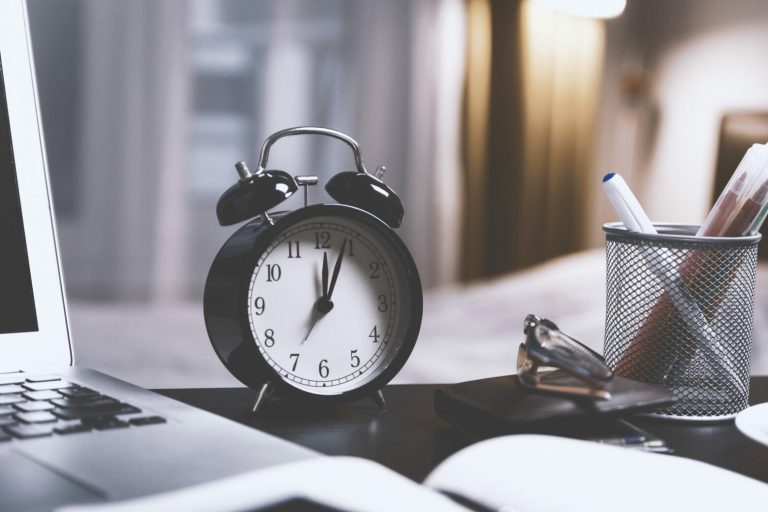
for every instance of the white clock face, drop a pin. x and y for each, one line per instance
(327, 335)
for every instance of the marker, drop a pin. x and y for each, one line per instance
(728, 216)
(626, 204)
(754, 228)
(725, 206)
(748, 213)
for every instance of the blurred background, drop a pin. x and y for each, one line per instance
(495, 118)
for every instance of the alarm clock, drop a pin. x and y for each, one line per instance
(321, 303)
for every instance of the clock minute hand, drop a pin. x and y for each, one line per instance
(316, 314)
(336, 269)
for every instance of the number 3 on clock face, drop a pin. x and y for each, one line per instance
(331, 304)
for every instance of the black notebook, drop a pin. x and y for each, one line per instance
(501, 405)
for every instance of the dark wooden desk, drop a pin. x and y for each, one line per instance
(410, 439)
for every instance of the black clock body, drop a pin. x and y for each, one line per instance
(226, 302)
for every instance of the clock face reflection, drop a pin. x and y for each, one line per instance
(326, 304)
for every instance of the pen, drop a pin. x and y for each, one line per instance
(636, 438)
(628, 440)
(626, 204)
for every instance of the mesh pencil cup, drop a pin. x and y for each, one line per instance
(679, 313)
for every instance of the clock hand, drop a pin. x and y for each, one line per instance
(325, 274)
(324, 304)
(316, 315)
(321, 307)
(336, 269)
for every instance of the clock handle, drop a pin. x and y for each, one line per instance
(360, 189)
(310, 130)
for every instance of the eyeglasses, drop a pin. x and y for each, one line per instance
(584, 372)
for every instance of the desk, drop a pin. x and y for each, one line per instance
(408, 437)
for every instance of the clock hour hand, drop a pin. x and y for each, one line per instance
(325, 274)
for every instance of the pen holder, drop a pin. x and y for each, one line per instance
(679, 313)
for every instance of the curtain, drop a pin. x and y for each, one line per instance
(531, 96)
(127, 152)
(166, 96)
(438, 28)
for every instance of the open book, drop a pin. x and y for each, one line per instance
(512, 473)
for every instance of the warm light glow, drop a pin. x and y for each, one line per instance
(588, 8)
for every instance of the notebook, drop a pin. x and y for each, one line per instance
(501, 405)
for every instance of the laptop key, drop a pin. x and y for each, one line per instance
(39, 386)
(147, 420)
(4, 437)
(11, 399)
(6, 421)
(43, 378)
(84, 401)
(105, 423)
(35, 417)
(46, 394)
(34, 406)
(29, 431)
(94, 412)
(11, 388)
(6, 409)
(78, 392)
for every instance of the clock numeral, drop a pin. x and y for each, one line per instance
(323, 368)
(259, 305)
(291, 245)
(351, 247)
(274, 273)
(269, 338)
(295, 361)
(374, 266)
(375, 336)
(355, 359)
(322, 240)
(383, 304)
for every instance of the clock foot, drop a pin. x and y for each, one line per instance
(264, 393)
(378, 398)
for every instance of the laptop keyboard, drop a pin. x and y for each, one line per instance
(47, 405)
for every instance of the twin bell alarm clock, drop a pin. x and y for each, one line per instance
(321, 303)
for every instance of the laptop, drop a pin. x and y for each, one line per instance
(70, 434)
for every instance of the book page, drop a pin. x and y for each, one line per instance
(546, 473)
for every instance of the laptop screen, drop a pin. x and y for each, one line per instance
(17, 301)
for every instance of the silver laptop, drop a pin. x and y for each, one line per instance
(70, 434)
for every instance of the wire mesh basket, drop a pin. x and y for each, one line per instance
(679, 313)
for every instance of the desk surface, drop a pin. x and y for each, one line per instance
(409, 438)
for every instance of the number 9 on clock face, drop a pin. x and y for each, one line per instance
(333, 302)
